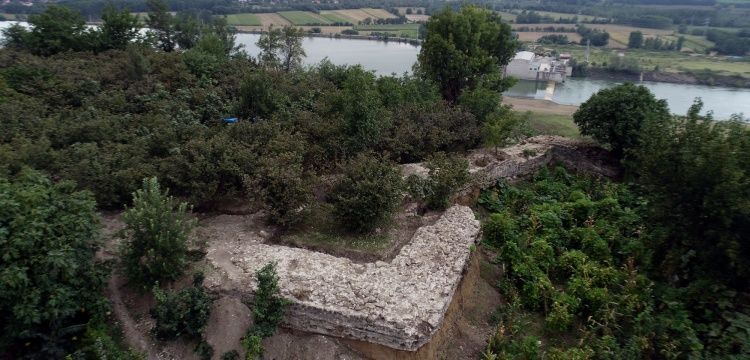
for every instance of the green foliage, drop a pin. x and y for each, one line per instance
(615, 116)
(118, 29)
(161, 24)
(635, 40)
(694, 173)
(368, 192)
(503, 127)
(52, 287)
(282, 48)
(156, 231)
(268, 306)
(183, 312)
(204, 350)
(466, 49)
(446, 175)
(574, 250)
(253, 347)
(231, 355)
(97, 343)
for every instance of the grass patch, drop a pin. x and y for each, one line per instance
(336, 18)
(402, 30)
(321, 231)
(304, 18)
(549, 124)
(243, 20)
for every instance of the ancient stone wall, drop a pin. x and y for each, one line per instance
(401, 303)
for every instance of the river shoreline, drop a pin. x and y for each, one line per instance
(672, 78)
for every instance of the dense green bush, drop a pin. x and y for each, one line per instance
(574, 251)
(615, 116)
(51, 284)
(368, 192)
(183, 312)
(156, 232)
(446, 175)
(268, 305)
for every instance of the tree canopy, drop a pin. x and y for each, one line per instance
(615, 116)
(465, 49)
(51, 284)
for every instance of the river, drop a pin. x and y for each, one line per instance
(391, 57)
(385, 58)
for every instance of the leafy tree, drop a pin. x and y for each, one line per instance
(52, 286)
(368, 193)
(282, 48)
(162, 24)
(615, 116)
(268, 305)
(281, 181)
(156, 231)
(183, 312)
(636, 40)
(291, 49)
(187, 30)
(465, 49)
(55, 30)
(365, 117)
(502, 126)
(118, 29)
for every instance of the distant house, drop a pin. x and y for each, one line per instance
(528, 66)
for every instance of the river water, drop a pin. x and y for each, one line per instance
(385, 58)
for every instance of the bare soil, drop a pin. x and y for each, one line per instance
(539, 106)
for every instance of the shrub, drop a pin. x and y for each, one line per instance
(446, 175)
(157, 228)
(368, 193)
(183, 312)
(268, 305)
(253, 347)
(204, 350)
(499, 229)
(50, 281)
(230, 355)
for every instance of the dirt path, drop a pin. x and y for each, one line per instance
(133, 336)
(539, 106)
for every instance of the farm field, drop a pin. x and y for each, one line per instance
(670, 61)
(243, 19)
(534, 36)
(336, 18)
(304, 18)
(378, 13)
(412, 30)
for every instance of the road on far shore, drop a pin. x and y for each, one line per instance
(539, 106)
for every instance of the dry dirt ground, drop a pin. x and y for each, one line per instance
(539, 106)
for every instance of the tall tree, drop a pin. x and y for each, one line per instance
(466, 49)
(269, 44)
(636, 40)
(118, 28)
(55, 30)
(291, 49)
(161, 22)
(188, 29)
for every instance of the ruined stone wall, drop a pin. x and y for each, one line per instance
(401, 303)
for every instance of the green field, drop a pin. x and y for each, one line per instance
(550, 124)
(665, 60)
(243, 20)
(304, 18)
(335, 18)
(402, 30)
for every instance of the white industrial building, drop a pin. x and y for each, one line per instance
(528, 66)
